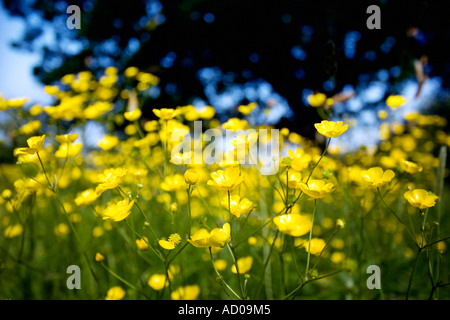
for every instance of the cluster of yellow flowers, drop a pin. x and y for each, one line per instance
(236, 217)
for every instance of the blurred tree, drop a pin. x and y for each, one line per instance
(320, 45)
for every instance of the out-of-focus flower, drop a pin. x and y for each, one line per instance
(293, 224)
(66, 138)
(157, 281)
(99, 257)
(142, 244)
(238, 206)
(317, 100)
(118, 211)
(61, 229)
(30, 127)
(317, 189)
(340, 224)
(420, 198)
(115, 293)
(235, 124)
(247, 109)
(395, 102)
(410, 167)
(316, 246)
(110, 179)
(300, 159)
(295, 178)
(166, 114)
(173, 183)
(226, 180)
(133, 115)
(131, 72)
(377, 177)
(220, 264)
(68, 150)
(86, 197)
(108, 142)
(13, 231)
(190, 292)
(331, 129)
(244, 265)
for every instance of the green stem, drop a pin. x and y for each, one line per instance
(189, 211)
(396, 216)
(237, 269)
(45, 172)
(419, 251)
(266, 264)
(222, 282)
(310, 236)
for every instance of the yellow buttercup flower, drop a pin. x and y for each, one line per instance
(131, 72)
(30, 127)
(191, 176)
(190, 292)
(142, 244)
(166, 113)
(244, 265)
(317, 100)
(220, 264)
(316, 246)
(108, 142)
(118, 211)
(66, 138)
(235, 124)
(115, 293)
(133, 115)
(331, 129)
(300, 159)
(35, 145)
(110, 179)
(317, 189)
(395, 102)
(420, 198)
(13, 231)
(219, 237)
(377, 177)
(247, 109)
(238, 206)
(173, 183)
(295, 178)
(61, 229)
(200, 239)
(410, 167)
(86, 197)
(293, 224)
(157, 281)
(68, 150)
(171, 243)
(99, 257)
(226, 180)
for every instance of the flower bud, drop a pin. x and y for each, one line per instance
(191, 176)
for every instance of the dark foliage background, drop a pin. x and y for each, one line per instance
(248, 39)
